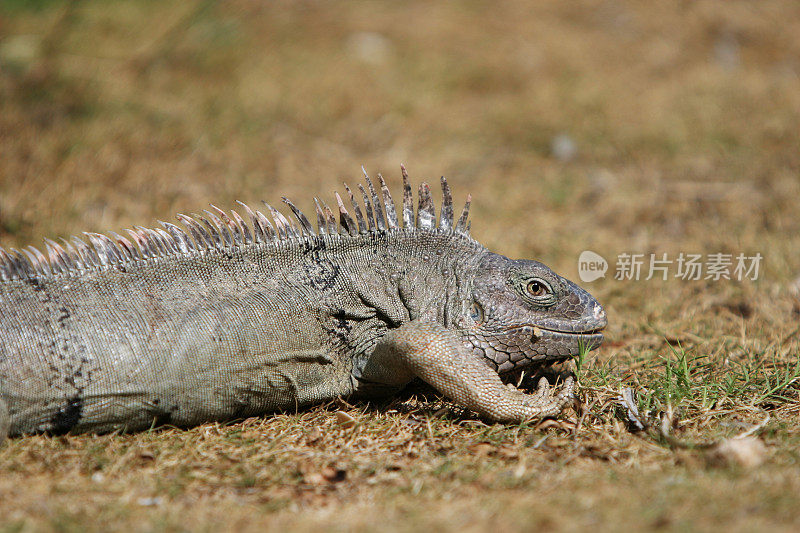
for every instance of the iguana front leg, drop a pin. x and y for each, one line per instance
(435, 354)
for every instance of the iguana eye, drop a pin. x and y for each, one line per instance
(537, 288)
(476, 313)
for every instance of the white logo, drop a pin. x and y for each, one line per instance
(591, 266)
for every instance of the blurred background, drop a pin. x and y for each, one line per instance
(616, 126)
(606, 125)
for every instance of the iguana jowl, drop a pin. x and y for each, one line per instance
(226, 319)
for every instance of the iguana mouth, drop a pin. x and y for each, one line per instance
(538, 329)
(580, 340)
(589, 338)
(585, 332)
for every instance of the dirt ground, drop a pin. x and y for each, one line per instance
(619, 127)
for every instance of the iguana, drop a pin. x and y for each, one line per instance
(223, 319)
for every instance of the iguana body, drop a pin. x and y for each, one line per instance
(229, 319)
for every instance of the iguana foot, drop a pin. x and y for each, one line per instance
(550, 401)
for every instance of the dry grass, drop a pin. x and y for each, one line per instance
(685, 122)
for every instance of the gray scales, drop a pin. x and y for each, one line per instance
(225, 319)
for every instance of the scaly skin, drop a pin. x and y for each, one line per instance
(5, 421)
(229, 320)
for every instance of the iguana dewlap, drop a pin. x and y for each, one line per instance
(225, 319)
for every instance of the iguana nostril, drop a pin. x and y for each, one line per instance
(599, 314)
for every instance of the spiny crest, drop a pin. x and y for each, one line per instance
(218, 230)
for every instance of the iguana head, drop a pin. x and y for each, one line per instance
(522, 313)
